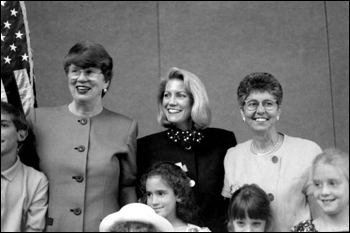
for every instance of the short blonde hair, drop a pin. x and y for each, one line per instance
(334, 157)
(200, 114)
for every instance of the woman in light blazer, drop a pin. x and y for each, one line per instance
(87, 151)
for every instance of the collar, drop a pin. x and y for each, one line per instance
(11, 172)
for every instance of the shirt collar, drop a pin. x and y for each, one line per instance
(11, 172)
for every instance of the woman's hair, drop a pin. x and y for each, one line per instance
(334, 157)
(200, 114)
(259, 82)
(87, 54)
(250, 200)
(133, 227)
(175, 178)
(17, 116)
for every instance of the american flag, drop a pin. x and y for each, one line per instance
(17, 78)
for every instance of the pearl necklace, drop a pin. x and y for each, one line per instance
(268, 152)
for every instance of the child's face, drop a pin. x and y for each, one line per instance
(249, 225)
(9, 135)
(331, 189)
(161, 197)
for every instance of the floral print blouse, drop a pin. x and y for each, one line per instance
(305, 226)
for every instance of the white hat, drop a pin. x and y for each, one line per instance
(136, 212)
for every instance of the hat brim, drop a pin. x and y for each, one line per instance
(136, 213)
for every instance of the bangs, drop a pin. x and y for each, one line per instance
(83, 60)
(250, 208)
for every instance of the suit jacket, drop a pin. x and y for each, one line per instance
(205, 163)
(90, 164)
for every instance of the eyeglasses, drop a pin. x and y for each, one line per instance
(252, 105)
(88, 72)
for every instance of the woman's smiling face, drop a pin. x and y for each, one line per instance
(177, 104)
(261, 119)
(86, 85)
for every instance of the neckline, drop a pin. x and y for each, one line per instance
(274, 148)
(73, 110)
(187, 139)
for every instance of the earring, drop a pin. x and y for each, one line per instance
(243, 119)
(104, 91)
(278, 117)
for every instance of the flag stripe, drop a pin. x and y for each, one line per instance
(11, 90)
(29, 48)
(25, 89)
(3, 92)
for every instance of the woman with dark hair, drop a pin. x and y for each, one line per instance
(87, 151)
(168, 190)
(183, 109)
(278, 163)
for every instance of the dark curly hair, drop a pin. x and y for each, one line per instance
(177, 179)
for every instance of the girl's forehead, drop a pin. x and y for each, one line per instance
(327, 171)
(157, 180)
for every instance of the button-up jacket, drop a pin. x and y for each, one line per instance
(90, 164)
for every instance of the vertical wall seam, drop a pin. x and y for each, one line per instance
(330, 74)
(159, 51)
(158, 39)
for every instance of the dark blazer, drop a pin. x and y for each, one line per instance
(205, 163)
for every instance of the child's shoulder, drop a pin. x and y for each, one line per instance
(34, 175)
(305, 226)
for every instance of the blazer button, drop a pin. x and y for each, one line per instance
(83, 121)
(76, 211)
(79, 179)
(271, 197)
(275, 159)
(80, 148)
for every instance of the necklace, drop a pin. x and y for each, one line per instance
(185, 138)
(268, 152)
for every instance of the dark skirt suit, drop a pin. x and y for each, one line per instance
(90, 164)
(205, 164)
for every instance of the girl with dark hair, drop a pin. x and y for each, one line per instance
(249, 210)
(168, 190)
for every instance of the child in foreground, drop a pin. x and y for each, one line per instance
(330, 177)
(135, 217)
(167, 189)
(23, 189)
(249, 210)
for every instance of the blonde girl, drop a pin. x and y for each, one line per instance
(330, 177)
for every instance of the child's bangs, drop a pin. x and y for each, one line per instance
(249, 209)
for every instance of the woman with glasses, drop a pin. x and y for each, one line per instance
(87, 151)
(278, 163)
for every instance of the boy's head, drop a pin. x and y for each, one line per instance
(14, 128)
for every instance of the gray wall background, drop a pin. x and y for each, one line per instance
(305, 45)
